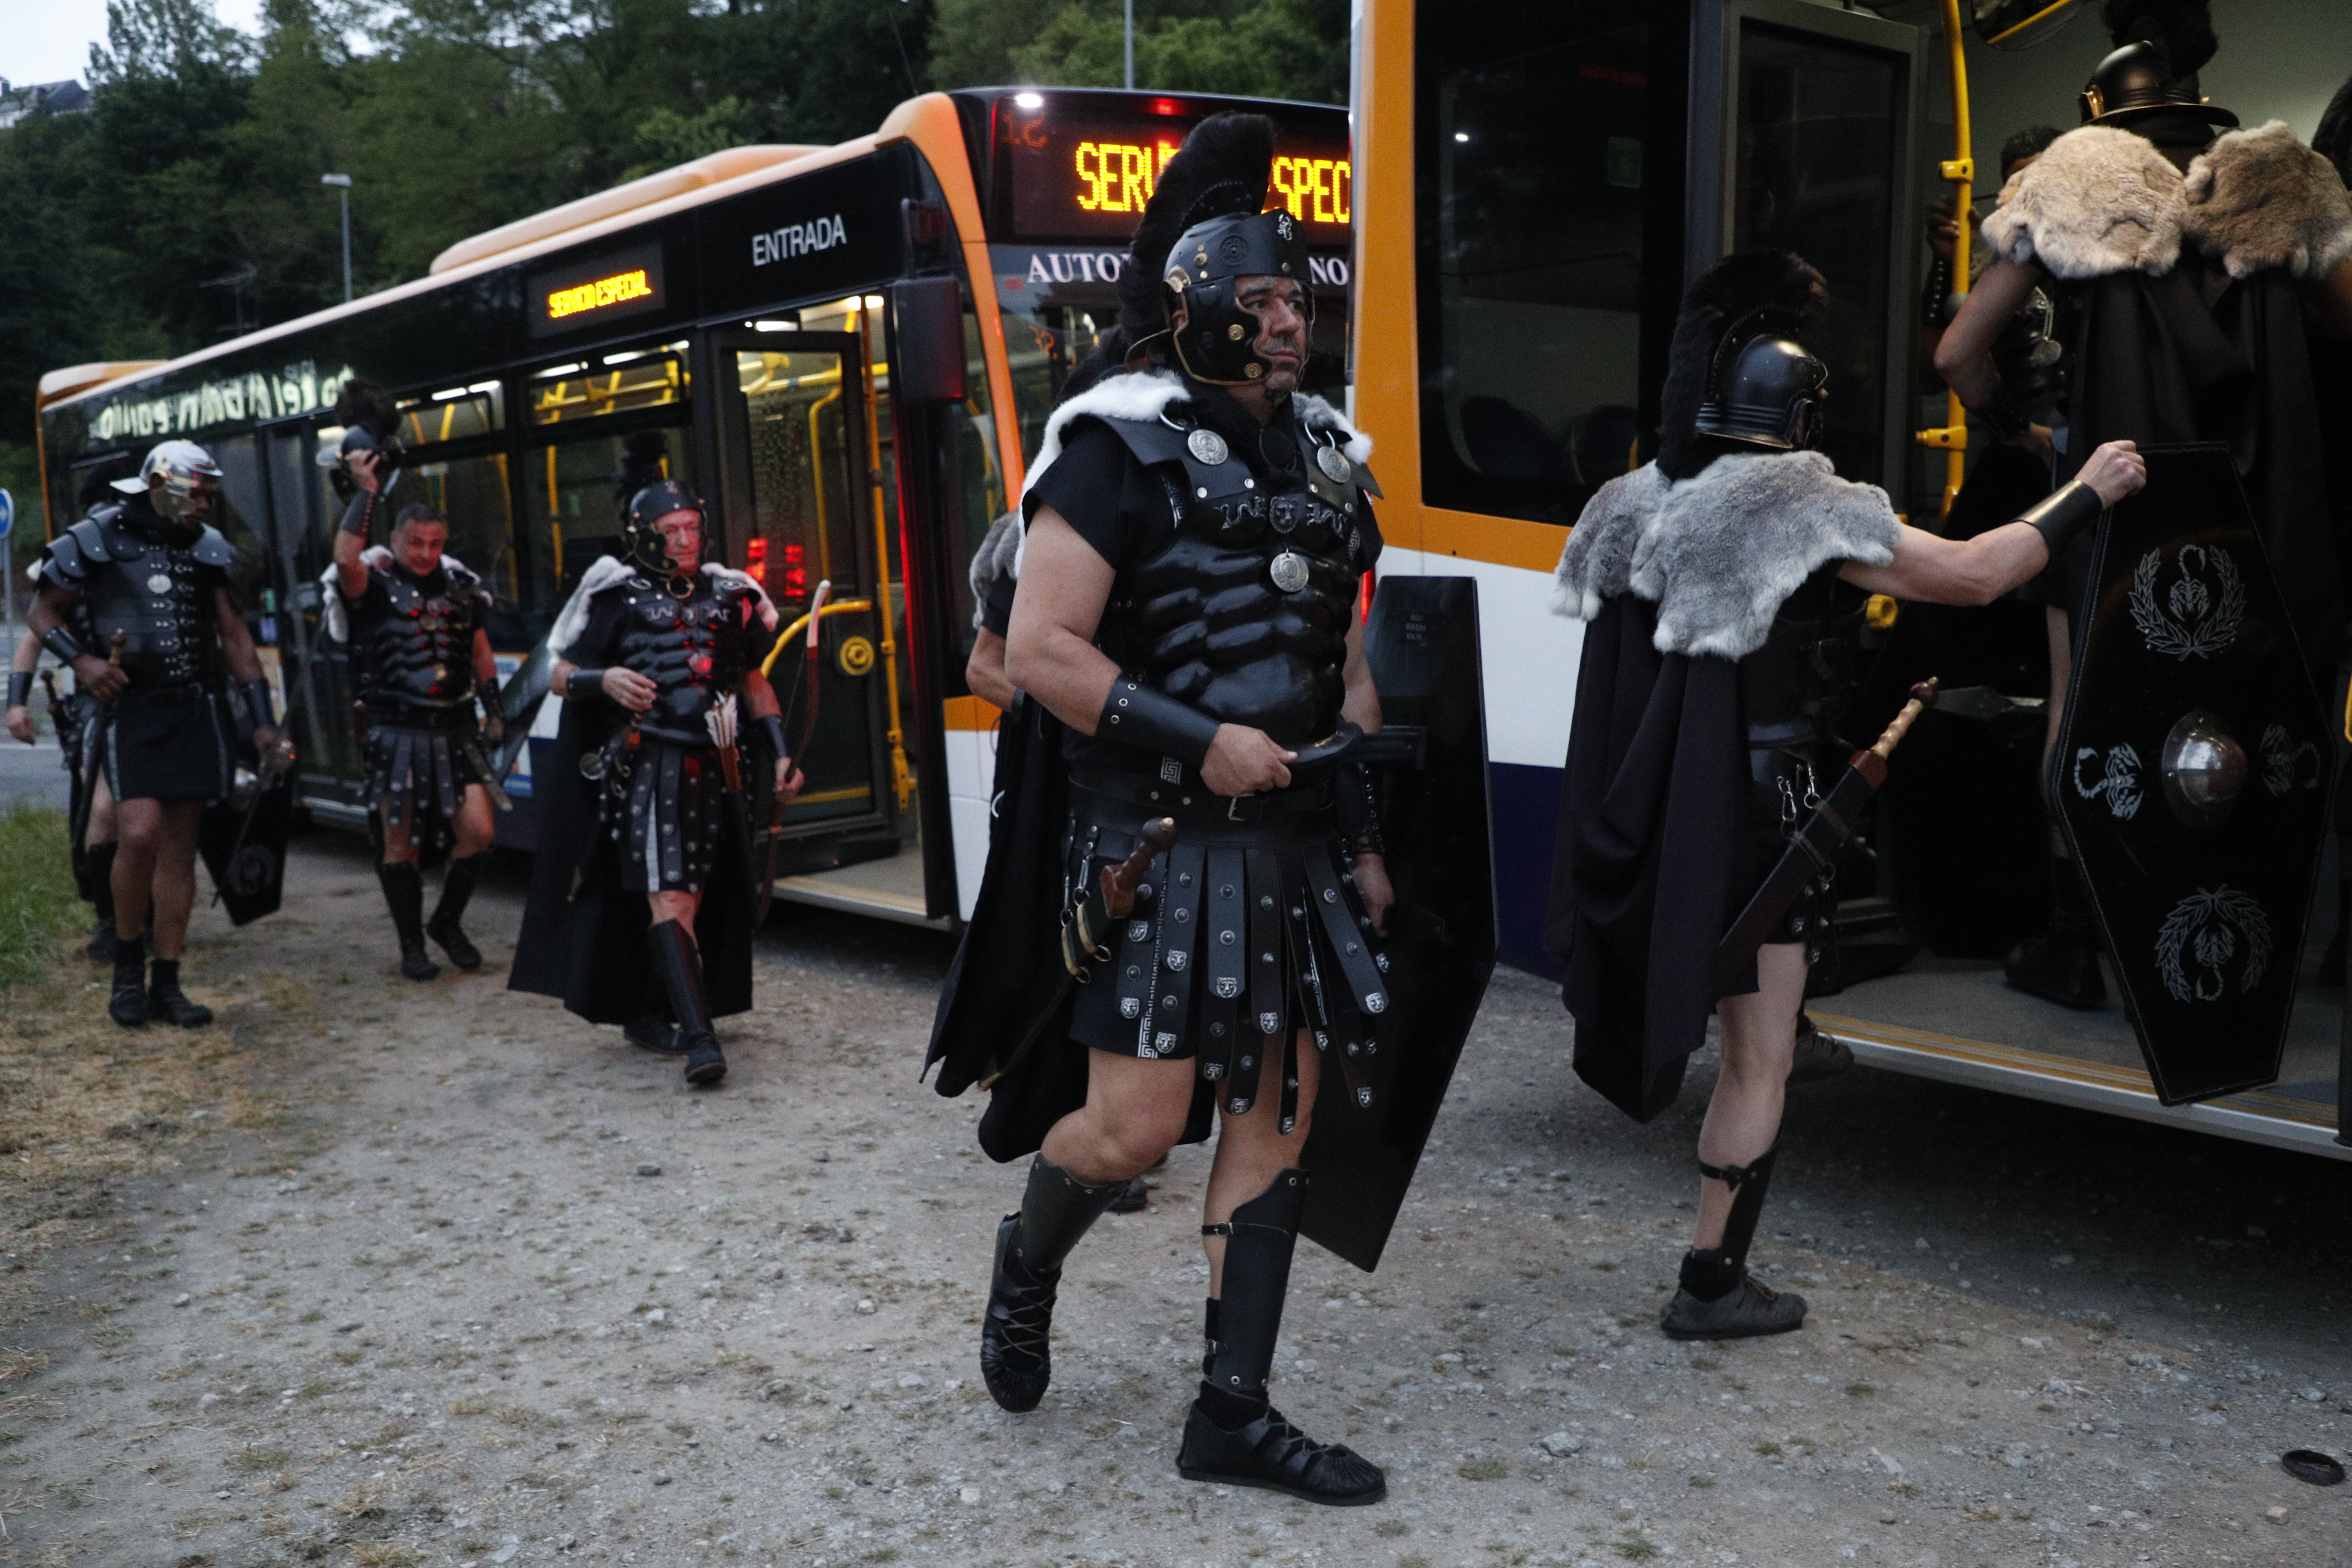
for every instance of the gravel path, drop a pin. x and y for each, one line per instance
(493, 1290)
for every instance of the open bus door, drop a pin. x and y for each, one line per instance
(793, 440)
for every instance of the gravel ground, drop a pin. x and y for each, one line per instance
(490, 1288)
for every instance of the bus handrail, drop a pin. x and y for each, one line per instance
(1960, 169)
(784, 637)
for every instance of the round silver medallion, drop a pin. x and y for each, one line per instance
(1334, 464)
(159, 583)
(1288, 571)
(1207, 446)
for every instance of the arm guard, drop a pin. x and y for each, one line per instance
(2003, 414)
(257, 705)
(60, 642)
(593, 688)
(1152, 720)
(360, 514)
(2063, 513)
(20, 688)
(771, 730)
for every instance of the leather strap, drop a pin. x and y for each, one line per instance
(60, 642)
(1152, 720)
(2063, 513)
(20, 688)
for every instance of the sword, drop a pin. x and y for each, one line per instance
(1086, 928)
(1812, 845)
(808, 679)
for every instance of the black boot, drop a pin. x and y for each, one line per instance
(166, 1000)
(1235, 1436)
(1718, 1299)
(2063, 964)
(457, 892)
(679, 964)
(98, 860)
(1817, 1056)
(1016, 1358)
(127, 1005)
(404, 895)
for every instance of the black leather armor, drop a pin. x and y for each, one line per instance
(130, 577)
(1244, 613)
(417, 638)
(1791, 688)
(694, 650)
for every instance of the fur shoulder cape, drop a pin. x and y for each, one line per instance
(609, 570)
(1721, 552)
(2103, 201)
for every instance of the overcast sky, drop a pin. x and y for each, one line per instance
(49, 40)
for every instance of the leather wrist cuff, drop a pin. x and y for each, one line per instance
(1152, 720)
(360, 514)
(584, 682)
(257, 704)
(2063, 513)
(771, 728)
(20, 688)
(60, 642)
(1935, 294)
(2004, 414)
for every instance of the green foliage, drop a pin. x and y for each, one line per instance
(1257, 48)
(37, 903)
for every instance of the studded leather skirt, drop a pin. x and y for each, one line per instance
(418, 775)
(667, 815)
(1245, 937)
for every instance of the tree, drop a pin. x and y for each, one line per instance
(1262, 48)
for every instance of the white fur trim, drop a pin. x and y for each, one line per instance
(2260, 199)
(2099, 200)
(601, 573)
(993, 560)
(1597, 562)
(1317, 414)
(727, 577)
(338, 623)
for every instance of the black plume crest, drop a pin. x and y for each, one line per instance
(1745, 282)
(2183, 30)
(368, 406)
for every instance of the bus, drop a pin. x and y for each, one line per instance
(740, 316)
(1536, 184)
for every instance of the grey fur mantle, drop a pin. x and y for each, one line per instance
(2102, 201)
(1719, 552)
(993, 560)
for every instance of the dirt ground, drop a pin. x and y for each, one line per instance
(378, 1273)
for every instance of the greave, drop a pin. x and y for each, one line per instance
(1711, 1272)
(679, 963)
(99, 860)
(1016, 1359)
(1057, 1209)
(456, 892)
(1247, 1314)
(404, 895)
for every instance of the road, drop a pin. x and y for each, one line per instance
(445, 1276)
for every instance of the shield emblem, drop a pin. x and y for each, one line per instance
(245, 848)
(1421, 641)
(2192, 776)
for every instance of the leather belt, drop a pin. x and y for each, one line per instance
(1194, 803)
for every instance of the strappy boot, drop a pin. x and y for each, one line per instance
(1015, 1355)
(1718, 1298)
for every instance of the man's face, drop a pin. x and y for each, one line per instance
(194, 504)
(681, 534)
(1280, 306)
(417, 545)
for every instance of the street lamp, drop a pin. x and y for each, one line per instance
(342, 183)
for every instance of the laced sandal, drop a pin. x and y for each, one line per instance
(1271, 1453)
(1015, 1353)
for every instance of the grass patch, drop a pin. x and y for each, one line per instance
(38, 906)
(1483, 1470)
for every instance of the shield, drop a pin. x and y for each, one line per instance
(243, 841)
(517, 706)
(2192, 776)
(1421, 641)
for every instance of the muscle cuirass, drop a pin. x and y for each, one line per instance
(1791, 688)
(157, 594)
(691, 648)
(1244, 613)
(420, 650)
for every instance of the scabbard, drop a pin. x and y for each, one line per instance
(475, 755)
(1811, 853)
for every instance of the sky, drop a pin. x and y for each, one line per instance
(49, 40)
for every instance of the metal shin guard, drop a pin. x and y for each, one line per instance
(1259, 1241)
(1715, 1271)
(1056, 1210)
(679, 963)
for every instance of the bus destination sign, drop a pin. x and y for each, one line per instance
(1086, 179)
(622, 284)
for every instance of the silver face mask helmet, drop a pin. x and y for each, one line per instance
(187, 472)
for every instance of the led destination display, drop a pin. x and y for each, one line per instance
(1090, 178)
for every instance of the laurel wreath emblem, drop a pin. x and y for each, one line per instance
(2207, 927)
(2196, 621)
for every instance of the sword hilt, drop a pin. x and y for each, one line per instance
(1872, 761)
(114, 653)
(1119, 882)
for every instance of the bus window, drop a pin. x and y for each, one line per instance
(1821, 133)
(242, 514)
(572, 508)
(453, 414)
(475, 495)
(1533, 152)
(613, 384)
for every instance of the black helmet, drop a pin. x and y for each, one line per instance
(641, 541)
(2137, 81)
(1766, 388)
(1203, 273)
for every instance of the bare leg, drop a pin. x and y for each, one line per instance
(139, 832)
(1252, 1152)
(101, 829)
(1135, 1111)
(399, 838)
(2062, 674)
(1743, 1117)
(175, 875)
(474, 827)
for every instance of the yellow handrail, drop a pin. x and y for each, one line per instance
(902, 777)
(1961, 171)
(838, 607)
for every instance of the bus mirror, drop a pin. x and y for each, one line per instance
(927, 348)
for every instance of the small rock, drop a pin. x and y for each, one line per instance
(506, 1553)
(649, 1170)
(969, 1494)
(661, 1477)
(864, 1308)
(658, 1315)
(2032, 1342)
(1886, 1518)
(350, 1328)
(2315, 1395)
(208, 1401)
(182, 1300)
(2276, 1515)
(1561, 1444)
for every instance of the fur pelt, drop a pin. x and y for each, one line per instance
(1719, 554)
(2100, 201)
(2259, 199)
(1141, 394)
(993, 560)
(607, 570)
(339, 625)
(1742, 282)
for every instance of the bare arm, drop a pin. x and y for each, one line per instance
(1937, 570)
(625, 687)
(243, 662)
(1964, 353)
(2327, 301)
(349, 575)
(91, 673)
(486, 682)
(759, 697)
(984, 671)
(1363, 702)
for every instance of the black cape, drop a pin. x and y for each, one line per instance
(590, 950)
(1652, 860)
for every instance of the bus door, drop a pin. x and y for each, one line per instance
(793, 436)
